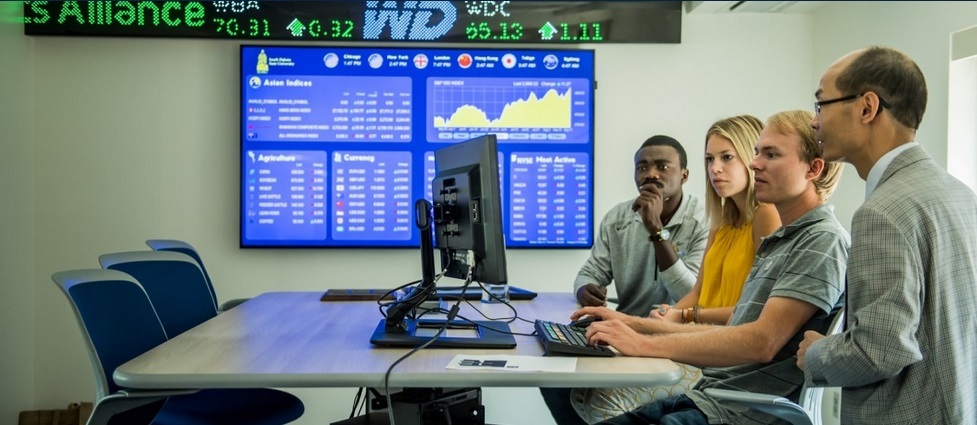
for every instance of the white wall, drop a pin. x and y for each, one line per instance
(921, 30)
(136, 139)
(16, 216)
(962, 107)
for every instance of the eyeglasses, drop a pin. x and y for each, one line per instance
(818, 104)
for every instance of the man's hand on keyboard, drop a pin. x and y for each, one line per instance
(617, 334)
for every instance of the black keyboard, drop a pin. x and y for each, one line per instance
(560, 339)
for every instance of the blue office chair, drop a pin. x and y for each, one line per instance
(818, 406)
(185, 248)
(175, 285)
(119, 323)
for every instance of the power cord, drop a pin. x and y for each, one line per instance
(356, 402)
(515, 313)
(381, 303)
(451, 316)
(386, 377)
(465, 319)
(416, 297)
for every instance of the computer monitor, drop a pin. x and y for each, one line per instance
(468, 211)
(467, 224)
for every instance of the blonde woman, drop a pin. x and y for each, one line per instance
(738, 221)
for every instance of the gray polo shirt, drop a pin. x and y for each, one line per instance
(623, 255)
(805, 260)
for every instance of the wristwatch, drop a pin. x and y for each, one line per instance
(661, 235)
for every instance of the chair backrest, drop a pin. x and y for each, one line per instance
(824, 403)
(830, 413)
(184, 248)
(817, 406)
(175, 285)
(116, 318)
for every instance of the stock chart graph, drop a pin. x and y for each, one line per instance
(516, 110)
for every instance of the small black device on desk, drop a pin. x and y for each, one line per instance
(561, 339)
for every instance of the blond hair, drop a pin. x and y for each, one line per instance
(799, 123)
(742, 131)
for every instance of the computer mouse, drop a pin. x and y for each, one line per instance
(583, 322)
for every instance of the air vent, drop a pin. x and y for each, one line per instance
(703, 7)
(760, 6)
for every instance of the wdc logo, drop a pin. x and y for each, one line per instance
(414, 20)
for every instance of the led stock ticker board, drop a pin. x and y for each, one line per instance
(550, 22)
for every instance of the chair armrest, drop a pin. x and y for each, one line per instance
(131, 393)
(227, 305)
(126, 400)
(769, 404)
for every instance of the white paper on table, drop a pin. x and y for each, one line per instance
(512, 363)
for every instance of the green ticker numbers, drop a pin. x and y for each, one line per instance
(587, 32)
(334, 28)
(258, 28)
(233, 27)
(505, 31)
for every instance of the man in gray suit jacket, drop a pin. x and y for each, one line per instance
(907, 354)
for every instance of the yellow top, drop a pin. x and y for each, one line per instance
(726, 266)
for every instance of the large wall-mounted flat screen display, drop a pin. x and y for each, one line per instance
(337, 143)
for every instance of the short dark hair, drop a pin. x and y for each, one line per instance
(661, 140)
(893, 76)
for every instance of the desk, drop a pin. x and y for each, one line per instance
(291, 339)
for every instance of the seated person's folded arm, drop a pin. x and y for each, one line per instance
(590, 285)
(680, 274)
(689, 300)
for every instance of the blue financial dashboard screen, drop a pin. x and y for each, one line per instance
(337, 143)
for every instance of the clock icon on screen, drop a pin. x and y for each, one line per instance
(375, 61)
(331, 60)
(550, 61)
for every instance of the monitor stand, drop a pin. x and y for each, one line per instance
(458, 334)
(399, 331)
